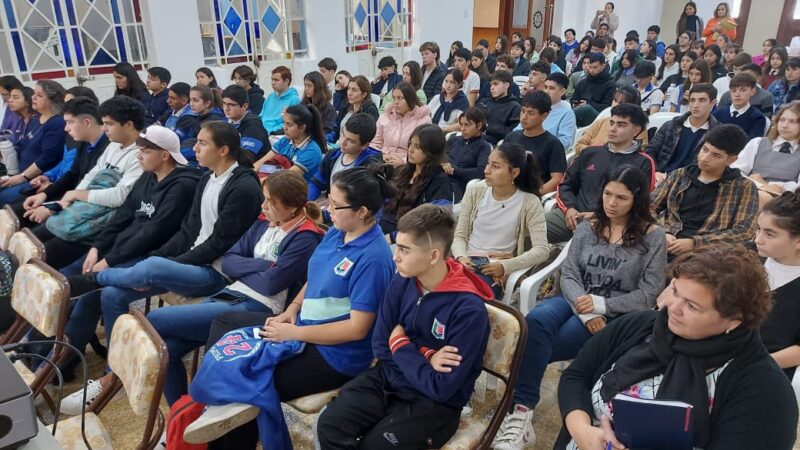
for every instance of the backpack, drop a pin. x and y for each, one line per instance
(181, 414)
(8, 266)
(82, 221)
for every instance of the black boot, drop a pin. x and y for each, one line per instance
(82, 284)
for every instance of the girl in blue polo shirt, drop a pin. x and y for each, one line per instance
(303, 143)
(333, 314)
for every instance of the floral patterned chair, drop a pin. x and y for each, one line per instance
(25, 246)
(9, 224)
(137, 357)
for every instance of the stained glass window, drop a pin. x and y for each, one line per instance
(65, 38)
(235, 31)
(378, 23)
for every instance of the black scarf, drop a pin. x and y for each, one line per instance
(684, 364)
(459, 102)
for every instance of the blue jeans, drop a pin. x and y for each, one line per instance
(12, 194)
(186, 327)
(152, 276)
(555, 333)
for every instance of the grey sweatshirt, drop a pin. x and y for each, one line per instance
(619, 279)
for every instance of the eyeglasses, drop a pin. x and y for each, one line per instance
(337, 208)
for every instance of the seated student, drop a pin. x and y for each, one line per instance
(412, 74)
(624, 235)
(762, 98)
(468, 154)
(303, 143)
(502, 110)
(491, 60)
(333, 314)
(507, 65)
(123, 118)
(206, 104)
(254, 138)
(742, 89)
(597, 133)
(723, 84)
(594, 93)
(550, 156)
(628, 61)
(678, 141)
(538, 75)
(773, 162)
(43, 150)
(179, 117)
(550, 58)
(22, 126)
(698, 74)
(432, 72)
(787, 88)
(9, 119)
(671, 84)
(316, 93)
(713, 57)
(422, 381)
(267, 265)
(703, 346)
(226, 203)
(652, 97)
(354, 152)
(446, 107)
(283, 95)
(358, 100)
(396, 125)
(578, 193)
(522, 66)
(561, 120)
(128, 83)
(340, 102)
(500, 216)
(387, 78)
(778, 240)
(472, 81)
(85, 126)
(158, 79)
(652, 35)
(205, 77)
(420, 180)
(244, 77)
(708, 201)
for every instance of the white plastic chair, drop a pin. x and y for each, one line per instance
(766, 127)
(548, 201)
(376, 99)
(519, 80)
(660, 118)
(796, 384)
(530, 286)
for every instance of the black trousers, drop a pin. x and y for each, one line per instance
(365, 416)
(58, 253)
(307, 373)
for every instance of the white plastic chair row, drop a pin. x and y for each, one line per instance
(530, 286)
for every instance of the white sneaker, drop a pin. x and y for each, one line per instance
(71, 405)
(466, 411)
(516, 431)
(216, 421)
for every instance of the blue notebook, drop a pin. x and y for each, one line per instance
(652, 424)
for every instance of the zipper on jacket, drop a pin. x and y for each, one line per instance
(416, 310)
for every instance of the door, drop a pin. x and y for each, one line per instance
(541, 20)
(519, 17)
(790, 22)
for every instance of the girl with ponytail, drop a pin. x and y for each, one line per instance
(778, 239)
(303, 143)
(498, 215)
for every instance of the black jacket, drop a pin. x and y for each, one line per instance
(239, 205)
(502, 116)
(663, 144)
(254, 138)
(754, 405)
(150, 215)
(468, 158)
(81, 165)
(433, 85)
(255, 99)
(598, 90)
(155, 107)
(523, 68)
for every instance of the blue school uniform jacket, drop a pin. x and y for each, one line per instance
(452, 314)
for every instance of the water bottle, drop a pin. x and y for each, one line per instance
(8, 154)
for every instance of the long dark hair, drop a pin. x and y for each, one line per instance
(321, 93)
(640, 218)
(517, 157)
(786, 210)
(783, 54)
(675, 49)
(705, 77)
(136, 86)
(481, 70)
(415, 72)
(207, 72)
(651, 55)
(432, 143)
(222, 134)
(364, 186)
(309, 116)
(503, 45)
(630, 56)
(682, 20)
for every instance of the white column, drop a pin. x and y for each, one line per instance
(173, 37)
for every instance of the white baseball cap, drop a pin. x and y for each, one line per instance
(165, 139)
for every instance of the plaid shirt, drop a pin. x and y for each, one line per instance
(733, 219)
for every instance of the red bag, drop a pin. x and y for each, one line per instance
(181, 414)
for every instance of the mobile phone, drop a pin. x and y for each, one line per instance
(228, 297)
(53, 206)
(479, 261)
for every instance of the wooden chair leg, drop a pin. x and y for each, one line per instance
(195, 363)
(147, 305)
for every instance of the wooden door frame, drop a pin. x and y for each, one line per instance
(741, 21)
(508, 24)
(788, 26)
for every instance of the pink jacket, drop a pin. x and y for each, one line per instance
(394, 130)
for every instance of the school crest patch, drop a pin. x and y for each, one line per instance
(437, 330)
(343, 267)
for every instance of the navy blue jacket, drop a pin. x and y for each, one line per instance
(269, 278)
(393, 79)
(468, 158)
(752, 121)
(255, 99)
(321, 181)
(452, 314)
(45, 147)
(254, 138)
(155, 107)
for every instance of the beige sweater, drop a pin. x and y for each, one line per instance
(531, 224)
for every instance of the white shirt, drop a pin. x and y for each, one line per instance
(780, 274)
(122, 160)
(688, 124)
(267, 249)
(650, 98)
(740, 111)
(472, 83)
(209, 205)
(493, 231)
(747, 158)
(669, 71)
(434, 106)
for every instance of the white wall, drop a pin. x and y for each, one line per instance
(633, 15)
(175, 46)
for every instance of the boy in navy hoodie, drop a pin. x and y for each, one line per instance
(158, 79)
(430, 336)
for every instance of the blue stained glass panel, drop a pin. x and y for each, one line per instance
(360, 15)
(78, 50)
(18, 49)
(224, 5)
(12, 21)
(219, 39)
(71, 13)
(387, 13)
(123, 53)
(216, 10)
(67, 56)
(233, 21)
(59, 16)
(115, 11)
(271, 19)
(102, 58)
(236, 49)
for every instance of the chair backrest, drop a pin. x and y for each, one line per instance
(138, 357)
(519, 80)
(767, 125)
(25, 246)
(376, 99)
(41, 297)
(9, 224)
